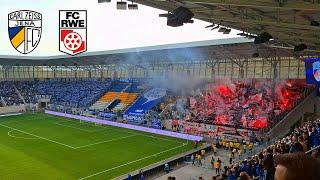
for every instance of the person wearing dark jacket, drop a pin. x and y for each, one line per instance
(295, 145)
(268, 164)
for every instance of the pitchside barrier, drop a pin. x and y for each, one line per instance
(157, 170)
(127, 126)
(12, 109)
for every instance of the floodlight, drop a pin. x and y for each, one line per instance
(121, 5)
(314, 23)
(133, 6)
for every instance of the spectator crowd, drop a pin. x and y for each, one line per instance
(65, 93)
(286, 159)
(248, 104)
(8, 94)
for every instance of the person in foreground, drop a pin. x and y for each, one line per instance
(293, 166)
(297, 166)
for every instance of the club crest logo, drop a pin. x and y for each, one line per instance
(316, 70)
(25, 29)
(72, 31)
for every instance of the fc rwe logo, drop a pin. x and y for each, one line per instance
(73, 31)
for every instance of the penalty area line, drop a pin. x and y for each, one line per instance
(122, 165)
(9, 134)
(80, 129)
(101, 142)
(56, 142)
(155, 137)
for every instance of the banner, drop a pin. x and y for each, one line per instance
(211, 131)
(146, 102)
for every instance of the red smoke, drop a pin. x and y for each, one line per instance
(224, 91)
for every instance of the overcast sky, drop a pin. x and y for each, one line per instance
(108, 28)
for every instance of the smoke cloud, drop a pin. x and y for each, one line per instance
(180, 83)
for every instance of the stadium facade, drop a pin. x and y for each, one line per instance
(230, 58)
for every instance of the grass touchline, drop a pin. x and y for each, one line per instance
(40, 146)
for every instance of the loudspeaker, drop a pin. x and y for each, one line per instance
(103, 1)
(172, 21)
(314, 23)
(180, 16)
(300, 47)
(255, 55)
(227, 31)
(262, 38)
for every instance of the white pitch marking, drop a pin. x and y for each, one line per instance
(145, 166)
(81, 129)
(130, 162)
(150, 136)
(154, 137)
(38, 136)
(9, 134)
(101, 142)
(165, 139)
(73, 127)
(105, 128)
(99, 130)
(13, 114)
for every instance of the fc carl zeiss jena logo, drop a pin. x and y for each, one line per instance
(73, 31)
(25, 28)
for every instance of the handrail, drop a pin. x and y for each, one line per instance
(19, 94)
(280, 125)
(318, 147)
(3, 102)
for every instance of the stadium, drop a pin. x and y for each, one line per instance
(245, 107)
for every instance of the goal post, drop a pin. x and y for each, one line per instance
(83, 122)
(98, 124)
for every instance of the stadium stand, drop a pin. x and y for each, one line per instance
(9, 94)
(73, 93)
(242, 104)
(27, 90)
(120, 96)
(150, 99)
(255, 96)
(249, 104)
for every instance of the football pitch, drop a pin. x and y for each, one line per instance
(41, 146)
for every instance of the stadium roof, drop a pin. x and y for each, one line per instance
(288, 22)
(233, 48)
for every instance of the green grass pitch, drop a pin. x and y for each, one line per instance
(41, 146)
